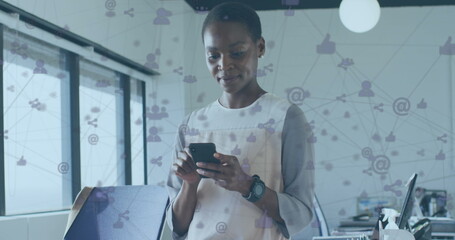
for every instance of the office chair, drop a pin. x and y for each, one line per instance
(318, 225)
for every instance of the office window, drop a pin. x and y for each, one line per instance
(70, 119)
(36, 125)
(137, 132)
(102, 126)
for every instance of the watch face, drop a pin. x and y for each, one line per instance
(258, 189)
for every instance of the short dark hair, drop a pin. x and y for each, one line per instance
(235, 12)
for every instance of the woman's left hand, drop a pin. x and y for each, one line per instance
(230, 174)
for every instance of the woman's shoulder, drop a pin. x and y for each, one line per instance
(202, 112)
(274, 101)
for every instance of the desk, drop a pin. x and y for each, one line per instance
(442, 236)
(442, 228)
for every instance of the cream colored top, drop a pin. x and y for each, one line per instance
(254, 135)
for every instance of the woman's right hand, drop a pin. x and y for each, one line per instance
(185, 168)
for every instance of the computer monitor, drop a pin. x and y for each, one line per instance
(406, 210)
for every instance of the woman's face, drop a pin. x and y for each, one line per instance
(231, 55)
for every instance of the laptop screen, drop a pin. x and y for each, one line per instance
(406, 210)
(124, 212)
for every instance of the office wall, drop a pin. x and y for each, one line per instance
(380, 103)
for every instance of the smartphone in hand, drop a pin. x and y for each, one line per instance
(203, 152)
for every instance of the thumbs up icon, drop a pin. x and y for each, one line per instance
(448, 48)
(326, 47)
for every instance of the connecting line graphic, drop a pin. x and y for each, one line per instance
(424, 76)
(356, 109)
(283, 27)
(396, 107)
(403, 44)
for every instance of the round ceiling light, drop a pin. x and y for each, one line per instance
(359, 15)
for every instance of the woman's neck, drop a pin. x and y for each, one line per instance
(240, 99)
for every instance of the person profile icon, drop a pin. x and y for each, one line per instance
(151, 61)
(156, 113)
(164, 113)
(153, 135)
(39, 69)
(161, 18)
(366, 90)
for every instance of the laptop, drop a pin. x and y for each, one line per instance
(408, 204)
(123, 212)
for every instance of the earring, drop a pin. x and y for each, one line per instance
(261, 56)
